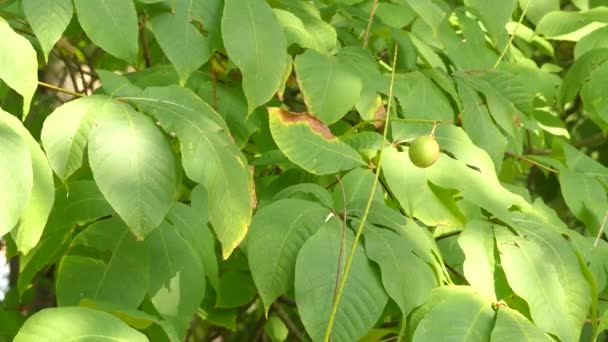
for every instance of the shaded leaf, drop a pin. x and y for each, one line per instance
(48, 19)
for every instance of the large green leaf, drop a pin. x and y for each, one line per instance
(477, 243)
(209, 158)
(184, 45)
(76, 324)
(111, 24)
(542, 269)
(323, 32)
(363, 298)
(84, 205)
(510, 325)
(428, 11)
(256, 44)
(133, 165)
(105, 263)
(467, 317)
(42, 194)
(330, 88)
(177, 278)
(295, 31)
(591, 94)
(406, 277)
(15, 177)
(307, 142)
(580, 72)
(48, 19)
(565, 24)
(357, 186)
(277, 233)
(585, 196)
(19, 64)
(409, 184)
(65, 133)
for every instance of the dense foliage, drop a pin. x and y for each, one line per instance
(192, 169)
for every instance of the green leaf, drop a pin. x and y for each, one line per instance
(177, 284)
(15, 177)
(295, 31)
(357, 185)
(324, 153)
(76, 324)
(42, 194)
(580, 72)
(428, 11)
(494, 17)
(477, 243)
(591, 41)
(191, 224)
(406, 277)
(208, 157)
(579, 162)
(184, 45)
(78, 205)
(105, 263)
(48, 19)
(478, 124)
(65, 133)
(307, 191)
(421, 98)
(277, 233)
(363, 298)
(537, 9)
(256, 44)
(542, 269)
(111, 24)
(510, 325)
(330, 88)
(19, 64)
(236, 289)
(470, 318)
(591, 90)
(133, 165)
(323, 32)
(585, 196)
(565, 24)
(409, 184)
(116, 85)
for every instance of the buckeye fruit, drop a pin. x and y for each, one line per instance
(424, 151)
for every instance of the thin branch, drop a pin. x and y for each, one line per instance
(342, 238)
(144, 41)
(349, 261)
(453, 270)
(504, 51)
(591, 140)
(448, 235)
(59, 89)
(533, 162)
(369, 23)
(291, 326)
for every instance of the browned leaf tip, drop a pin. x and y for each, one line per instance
(314, 123)
(379, 117)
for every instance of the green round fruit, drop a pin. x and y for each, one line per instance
(424, 151)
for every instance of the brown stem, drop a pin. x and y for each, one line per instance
(291, 326)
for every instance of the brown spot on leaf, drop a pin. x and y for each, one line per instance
(254, 197)
(314, 123)
(379, 117)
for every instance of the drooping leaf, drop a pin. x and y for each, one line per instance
(363, 298)
(329, 87)
(407, 278)
(111, 24)
(105, 263)
(208, 157)
(48, 19)
(15, 177)
(277, 233)
(177, 277)
(65, 133)
(133, 165)
(184, 45)
(42, 195)
(256, 44)
(19, 65)
(76, 324)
